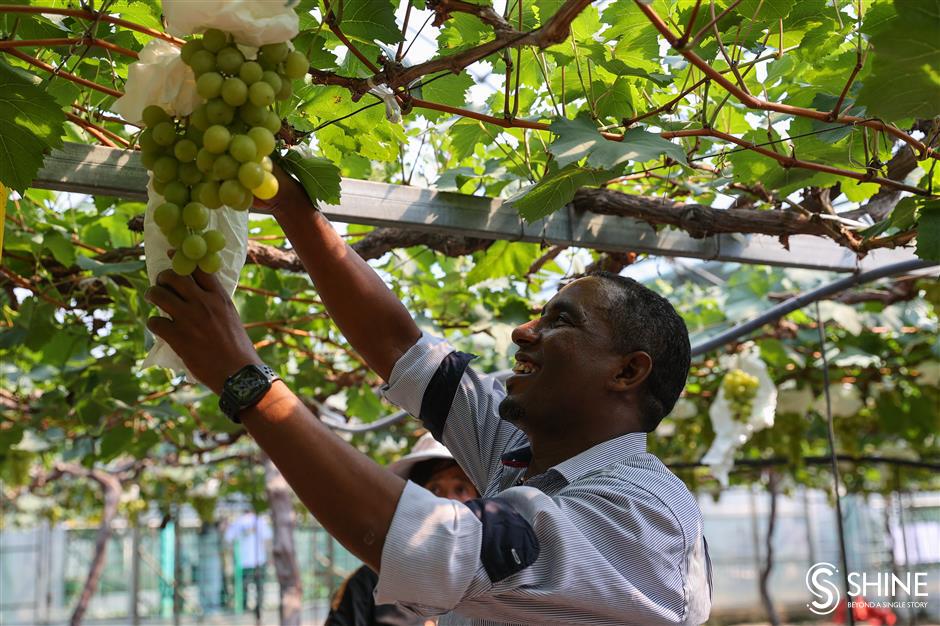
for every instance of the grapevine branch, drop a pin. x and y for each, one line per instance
(67, 41)
(67, 75)
(90, 15)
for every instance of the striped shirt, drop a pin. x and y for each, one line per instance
(609, 536)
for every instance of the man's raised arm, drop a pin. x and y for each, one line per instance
(370, 316)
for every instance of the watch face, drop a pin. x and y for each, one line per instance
(247, 384)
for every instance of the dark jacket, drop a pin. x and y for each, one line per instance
(354, 605)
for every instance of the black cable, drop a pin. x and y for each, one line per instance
(831, 436)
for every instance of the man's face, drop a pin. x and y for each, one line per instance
(564, 360)
(451, 482)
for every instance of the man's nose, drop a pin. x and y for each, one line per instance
(525, 333)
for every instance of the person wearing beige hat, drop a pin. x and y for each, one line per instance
(431, 465)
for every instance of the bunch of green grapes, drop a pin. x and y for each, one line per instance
(219, 155)
(740, 390)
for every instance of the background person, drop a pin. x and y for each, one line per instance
(432, 466)
(253, 534)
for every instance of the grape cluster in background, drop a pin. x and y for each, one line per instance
(219, 156)
(740, 390)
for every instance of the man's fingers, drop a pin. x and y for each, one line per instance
(161, 327)
(207, 282)
(183, 286)
(164, 298)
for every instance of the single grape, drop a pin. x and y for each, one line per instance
(272, 79)
(195, 215)
(167, 216)
(243, 148)
(252, 115)
(268, 187)
(245, 201)
(267, 164)
(209, 195)
(219, 112)
(176, 193)
(216, 139)
(189, 174)
(202, 61)
(250, 175)
(210, 263)
(209, 85)
(190, 48)
(214, 39)
(148, 159)
(204, 160)
(224, 168)
(272, 122)
(232, 193)
(185, 150)
(275, 52)
(146, 142)
(215, 240)
(296, 65)
(264, 140)
(176, 237)
(199, 118)
(164, 133)
(234, 92)
(251, 72)
(183, 265)
(261, 94)
(285, 92)
(194, 246)
(153, 115)
(229, 60)
(165, 169)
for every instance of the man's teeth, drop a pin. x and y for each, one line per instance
(523, 367)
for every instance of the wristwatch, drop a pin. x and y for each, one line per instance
(244, 389)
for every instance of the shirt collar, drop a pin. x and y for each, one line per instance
(601, 455)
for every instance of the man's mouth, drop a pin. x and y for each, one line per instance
(524, 367)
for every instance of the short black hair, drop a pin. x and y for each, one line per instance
(642, 320)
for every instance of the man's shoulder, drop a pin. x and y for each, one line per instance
(642, 478)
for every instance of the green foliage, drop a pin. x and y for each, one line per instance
(30, 124)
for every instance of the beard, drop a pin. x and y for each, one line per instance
(511, 411)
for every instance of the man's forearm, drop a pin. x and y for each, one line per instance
(369, 315)
(349, 494)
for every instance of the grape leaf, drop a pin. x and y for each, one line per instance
(319, 177)
(928, 231)
(503, 258)
(555, 191)
(578, 138)
(904, 80)
(30, 124)
(368, 20)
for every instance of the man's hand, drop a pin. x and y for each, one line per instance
(205, 329)
(290, 195)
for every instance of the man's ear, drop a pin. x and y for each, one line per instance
(634, 369)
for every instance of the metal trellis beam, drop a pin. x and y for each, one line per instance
(98, 170)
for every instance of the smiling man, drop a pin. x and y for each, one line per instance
(578, 524)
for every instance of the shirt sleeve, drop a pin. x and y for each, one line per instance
(480, 561)
(460, 406)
